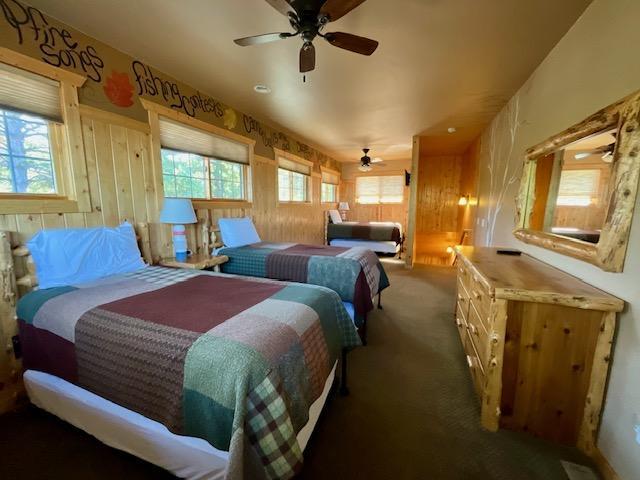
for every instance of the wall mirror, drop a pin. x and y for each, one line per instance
(579, 187)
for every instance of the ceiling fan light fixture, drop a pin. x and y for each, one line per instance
(263, 89)
(364, 168)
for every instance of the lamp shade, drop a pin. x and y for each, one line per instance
(177, 211)
(343, 206)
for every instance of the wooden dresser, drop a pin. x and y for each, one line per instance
(537, 342)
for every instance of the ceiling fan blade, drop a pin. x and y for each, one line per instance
(376, 160)
(283, 6)
(353, 43)
(334, 9)
(258, 39)
(307, 57)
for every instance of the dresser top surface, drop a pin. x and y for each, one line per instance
(522, 277)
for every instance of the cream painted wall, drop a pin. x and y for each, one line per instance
(594, 65)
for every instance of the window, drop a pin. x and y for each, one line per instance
(578, 188)
(329, 193)
(39, 121)
(374, 190)
(293, 180)
(200, 165)
(329, 189)
(26, 163)
(190, 175)
(292, 186)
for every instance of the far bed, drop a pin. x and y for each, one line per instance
(381, 237)
(356, 274)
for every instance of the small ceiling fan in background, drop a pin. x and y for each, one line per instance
(308, 18)
(605, 151)
(366, 162)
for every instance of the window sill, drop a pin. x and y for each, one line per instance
(17, 204)
(204, 204)
(307, 204)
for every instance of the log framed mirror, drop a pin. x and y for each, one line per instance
(578, 188)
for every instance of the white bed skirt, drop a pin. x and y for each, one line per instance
(376, 246)
(121, 428)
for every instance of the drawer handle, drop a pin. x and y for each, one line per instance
(470, 361)
(458, 322)
(473, 328)
(476, 294)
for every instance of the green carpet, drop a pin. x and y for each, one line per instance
(412, 412)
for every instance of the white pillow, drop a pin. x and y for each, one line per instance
(335, 216)
(238, 232)
(69, 256)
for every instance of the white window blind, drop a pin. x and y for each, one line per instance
(294, 166)
(331, 178)
(177, 136)
(578, 188)
(27, 92)
(387, 189)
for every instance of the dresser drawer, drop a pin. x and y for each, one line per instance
(475, 365)
(464, 276)
(479, 335)
(480, 298)
(462, 298)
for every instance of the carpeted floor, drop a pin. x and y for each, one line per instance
(412, 412)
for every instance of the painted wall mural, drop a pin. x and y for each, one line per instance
(496, 152)
(116, 81)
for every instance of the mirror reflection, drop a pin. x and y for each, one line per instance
(572, 188)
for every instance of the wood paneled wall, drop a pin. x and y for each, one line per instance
(437, 207)
(125, 183)
(440, 221)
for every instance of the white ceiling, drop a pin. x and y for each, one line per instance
(440, 63)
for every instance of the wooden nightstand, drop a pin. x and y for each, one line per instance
(196, 262)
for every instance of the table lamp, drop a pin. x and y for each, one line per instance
(344, 208)
(178, 211)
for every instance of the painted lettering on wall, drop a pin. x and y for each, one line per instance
(269, 139)
(57, 46)
(153, 85)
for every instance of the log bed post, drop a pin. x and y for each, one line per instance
(10, 378)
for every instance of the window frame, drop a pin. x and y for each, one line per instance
(356, 196)
(154, 112)
(308, 177)
(67, 148)
(208, 178)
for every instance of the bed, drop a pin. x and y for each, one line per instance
(381, 237)
(355, 273)
(204, 374)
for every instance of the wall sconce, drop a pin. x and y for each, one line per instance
(464, 200)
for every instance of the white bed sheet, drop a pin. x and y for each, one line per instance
(121, 428)
(376, 246)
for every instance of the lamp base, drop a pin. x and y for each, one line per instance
(179, 242)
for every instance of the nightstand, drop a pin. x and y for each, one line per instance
(196, 261)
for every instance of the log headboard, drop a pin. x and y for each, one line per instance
(18, 277)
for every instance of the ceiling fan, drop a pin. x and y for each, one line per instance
(366, 161)
(605, 151)
(308, 18)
